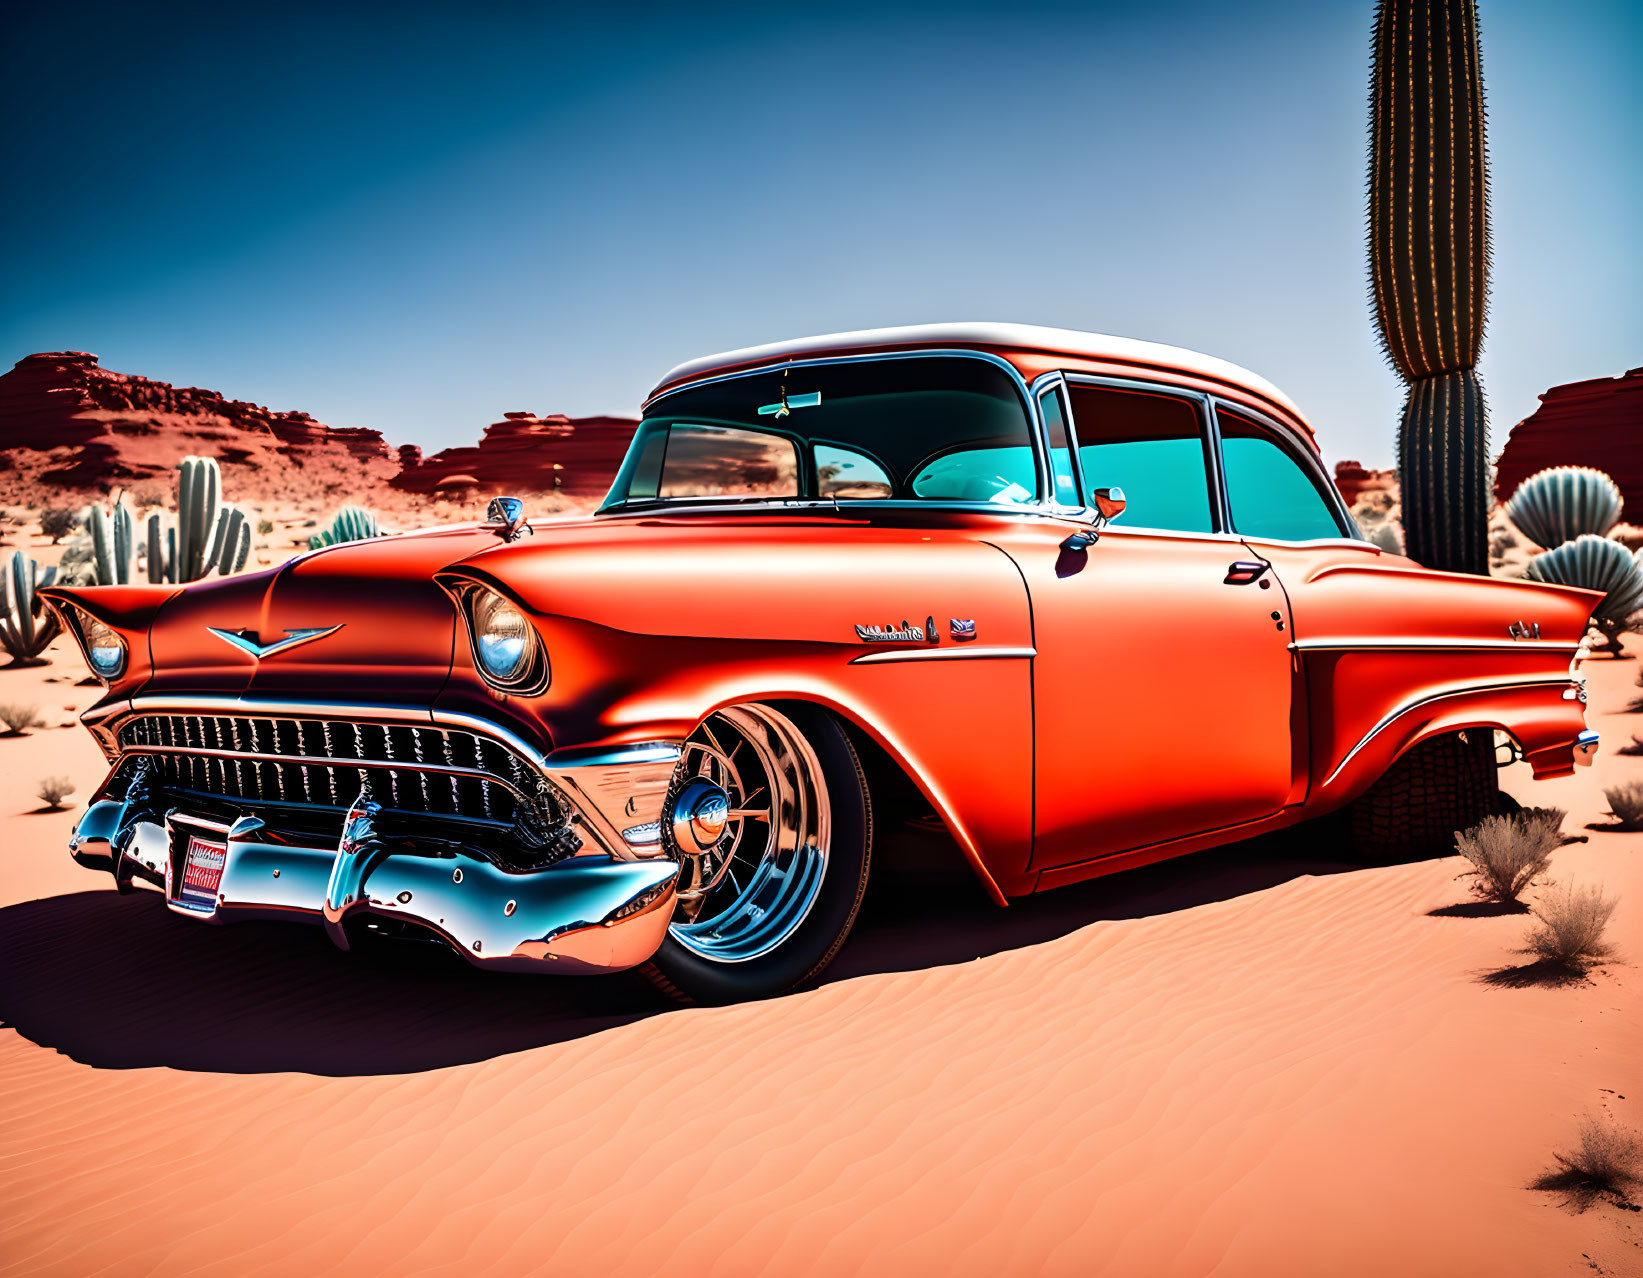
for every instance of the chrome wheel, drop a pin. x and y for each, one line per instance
(747, 815)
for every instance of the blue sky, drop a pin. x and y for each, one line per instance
(418, 217)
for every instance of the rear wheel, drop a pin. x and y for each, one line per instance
(1442, 785)
(770, 818)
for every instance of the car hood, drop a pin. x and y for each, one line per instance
(366, 616)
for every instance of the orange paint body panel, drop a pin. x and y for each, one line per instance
(1118, 703)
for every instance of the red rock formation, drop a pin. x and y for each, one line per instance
(1353, 480)
(88, 428)
(524, 453)
(1597, 423)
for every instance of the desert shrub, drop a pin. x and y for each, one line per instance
(1569, 928)
(147, 496)
(264, 527)
(19, 718)
(1508, 853)
(53, 790)
(1500, 541)
(1553, 819)
(1626, 803)
(1607, 1161)
(58, 522)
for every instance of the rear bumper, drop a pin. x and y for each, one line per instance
(586, 914)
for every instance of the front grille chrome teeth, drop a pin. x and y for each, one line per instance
(401, 755)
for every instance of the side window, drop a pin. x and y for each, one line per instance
(727, 461)
(1270, 493)
(843, 472)
(1151, 446)
(1061, 459)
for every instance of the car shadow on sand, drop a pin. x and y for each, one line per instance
(120, 982)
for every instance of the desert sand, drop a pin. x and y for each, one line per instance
(1260, 1060)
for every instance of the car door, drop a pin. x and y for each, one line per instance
(1164, 687)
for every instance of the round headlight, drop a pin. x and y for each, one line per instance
(503, 638)
(105, 650)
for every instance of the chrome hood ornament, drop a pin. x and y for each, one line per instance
(248, 640)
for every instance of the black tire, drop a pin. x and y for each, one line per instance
(1441, 786)
(689, 978)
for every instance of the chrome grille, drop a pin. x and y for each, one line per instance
(319, 763)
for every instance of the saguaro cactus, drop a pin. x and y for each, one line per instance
(113, 545)
(26, 624)
(207, 535)
(1429, 266)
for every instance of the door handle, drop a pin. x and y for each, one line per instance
(1244, 571)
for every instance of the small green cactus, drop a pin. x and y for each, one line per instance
(1557, 505)
(351, 523)
(113, 545)
(27, 625)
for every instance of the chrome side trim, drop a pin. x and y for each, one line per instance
(967, 653)
(615, 756)
(1416, 644)
(1459, 690)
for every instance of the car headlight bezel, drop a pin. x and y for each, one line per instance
(507, 651)
(103, 647)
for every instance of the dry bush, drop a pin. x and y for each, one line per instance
(58, 522)
(1626, 803)
(19, 718)
(1569, 932)
(1509, 852)
(1634, 747)
(53, 790)
(1606, 1162)
(148, 496)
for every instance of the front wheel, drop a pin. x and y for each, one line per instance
(770, 818)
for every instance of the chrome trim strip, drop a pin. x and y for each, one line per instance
(1412, 703)
(1035, 428)
(942, 654)
(1413, 644)
(615, 756)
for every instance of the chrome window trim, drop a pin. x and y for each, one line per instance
(1044, 383)
(1208, 443)
(1311, 462)
(1458, 690)
(1035, 428)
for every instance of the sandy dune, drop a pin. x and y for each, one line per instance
(1255, 1061)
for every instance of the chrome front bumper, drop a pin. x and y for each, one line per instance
(590, 913)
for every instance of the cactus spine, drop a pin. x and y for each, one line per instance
(113, 545)
(1429, 266)
(27, 625)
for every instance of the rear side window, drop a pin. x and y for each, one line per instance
(1151, 446)
(1271, 494)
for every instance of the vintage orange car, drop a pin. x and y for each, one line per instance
(1084, 602)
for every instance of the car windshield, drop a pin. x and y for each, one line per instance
(930, 428)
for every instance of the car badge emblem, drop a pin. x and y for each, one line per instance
(961, 630)
(247, 640)
(905, 633)
(1520, 630)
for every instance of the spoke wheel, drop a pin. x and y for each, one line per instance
(748, 816)
(769, 817)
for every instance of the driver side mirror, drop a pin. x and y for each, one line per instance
(1109, 503)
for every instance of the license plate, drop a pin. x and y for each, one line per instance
(202, 873)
